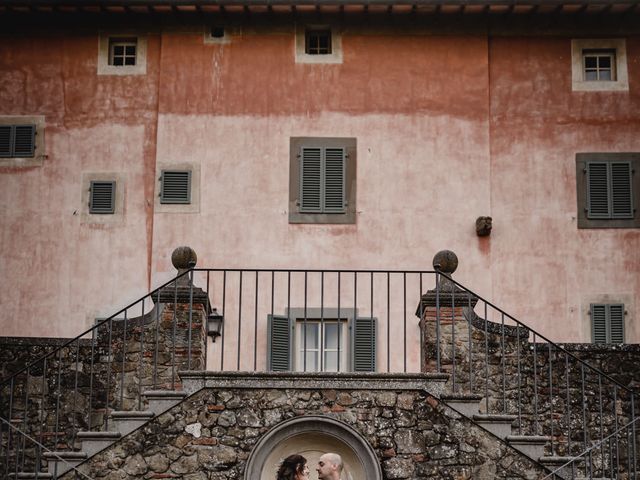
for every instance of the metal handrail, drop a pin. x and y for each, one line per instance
(595, 446)
(556, 345)
(90, 330)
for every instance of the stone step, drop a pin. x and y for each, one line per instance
(530, 445)
(127, 421)
(93, 442)
(499, 425)
(62, 461)
(467, 404)
(31, 475)
(162, 400)
(553, 462)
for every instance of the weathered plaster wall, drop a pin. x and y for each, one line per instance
(545, 270)
(449, 127)
(59, 272)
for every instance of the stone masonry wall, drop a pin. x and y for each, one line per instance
(78, 385)
(211, 434)
(512, 375)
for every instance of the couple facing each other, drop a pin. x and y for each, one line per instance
(294, 467)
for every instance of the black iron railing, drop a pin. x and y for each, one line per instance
(316, 320)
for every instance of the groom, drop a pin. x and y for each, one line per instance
(329, 467)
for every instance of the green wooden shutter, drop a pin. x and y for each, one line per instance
(279, 337)
(598, 193)
(334, 180)
(175, 187)
(599, 323)
(607, 323)
(102, 197)
(621, 195)
(311, 180)
(364, 344)
(24, 144)
(616, 323)
(6, 140)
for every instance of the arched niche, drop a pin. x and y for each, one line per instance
(312, 436)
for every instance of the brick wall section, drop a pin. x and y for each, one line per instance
(412, 433)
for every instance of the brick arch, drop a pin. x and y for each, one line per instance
(311, 436)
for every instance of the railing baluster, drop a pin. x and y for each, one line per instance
(43, 407)
(224, 305)
(141, 356)
(633, 434)
(437, 322)
(502, 365)
(615, 427)
(108, 381)
(373, 346)
(239, 322)
(190, 324)
(535, 385)
(355, 298)
(124, 357)
(389, 322)
(304, 329)
(94, 334)
(550, 353)
(339, 317)
(470, 346)
(486, 356)
(519, 347)
(568, 407)
(601, 417)
(453, 340)
(75, 395)
(322, 366)
(404, 321)
(173, 339)
(206, 319)
(422, 323)
(255, 328)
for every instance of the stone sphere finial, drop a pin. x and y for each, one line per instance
(445, 261)
(184, 258)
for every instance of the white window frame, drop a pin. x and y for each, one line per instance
(335, 57)
(320, 324)
(107, 40)
(581, 47)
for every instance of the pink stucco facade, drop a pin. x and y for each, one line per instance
(450, 125)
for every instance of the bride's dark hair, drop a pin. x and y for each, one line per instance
(290, 467)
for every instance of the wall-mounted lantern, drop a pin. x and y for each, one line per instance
(214, 324)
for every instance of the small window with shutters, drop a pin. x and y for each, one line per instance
(607, 322)
(322, 180)
(102, 197)
(315, 344)
(21, 140)
(608, 190)
(175, 187)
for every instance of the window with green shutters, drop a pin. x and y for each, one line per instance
(608, 190)
(322, 180)
(326, 344)
(607, 323)
(17, 141)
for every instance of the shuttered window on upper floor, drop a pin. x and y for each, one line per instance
(175, 187)
(17, 141)
(608, 190)
(102, 197)
(607, 322)
(322, 182)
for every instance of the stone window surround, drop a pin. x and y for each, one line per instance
(194, 206)
(578, 84)
(115, 218)
(39, 153)
(140, 68)
(581, 189)
(349, 216)
(335, 57)
(606, 298)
